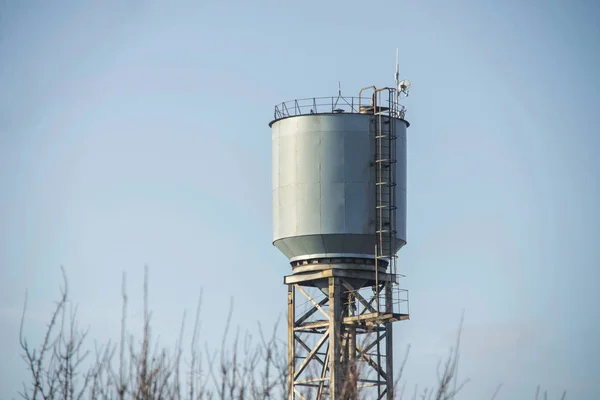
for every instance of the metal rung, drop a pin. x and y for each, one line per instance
(384, 131)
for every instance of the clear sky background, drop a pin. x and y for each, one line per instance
(135, 132)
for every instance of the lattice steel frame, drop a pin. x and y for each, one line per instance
(345, 315)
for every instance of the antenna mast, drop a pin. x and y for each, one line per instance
(397, 77)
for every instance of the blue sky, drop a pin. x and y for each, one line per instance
(135, 132)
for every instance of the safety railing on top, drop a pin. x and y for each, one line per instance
(326, 105)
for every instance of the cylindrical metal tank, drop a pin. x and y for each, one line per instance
(324, 187)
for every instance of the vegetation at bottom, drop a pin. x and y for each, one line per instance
(65, 366)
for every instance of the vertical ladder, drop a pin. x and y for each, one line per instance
(385, 199)
(385, 179)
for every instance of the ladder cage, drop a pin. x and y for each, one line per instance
(385, 176)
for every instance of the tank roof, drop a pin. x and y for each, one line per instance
(333, 105)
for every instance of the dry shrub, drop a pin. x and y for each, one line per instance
(61, 368)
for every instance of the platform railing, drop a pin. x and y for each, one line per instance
(399, 300)
(327, 105)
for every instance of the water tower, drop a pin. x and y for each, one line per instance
(339, 216)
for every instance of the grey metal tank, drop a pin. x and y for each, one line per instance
(323, 184)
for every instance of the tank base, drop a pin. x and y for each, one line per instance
(346, 263)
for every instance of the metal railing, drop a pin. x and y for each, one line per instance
(399, 300)
(328, 105)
